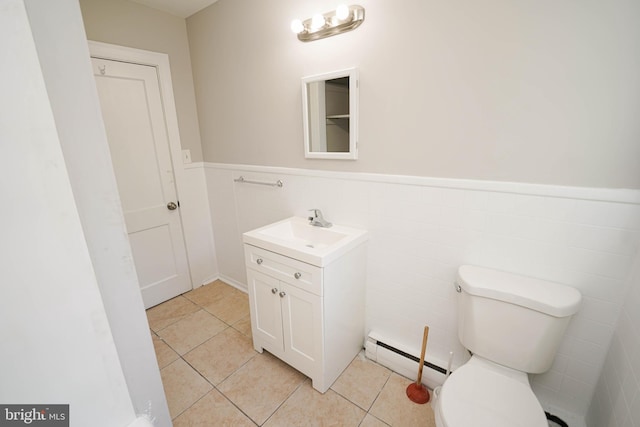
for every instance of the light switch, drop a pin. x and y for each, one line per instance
(186, 156)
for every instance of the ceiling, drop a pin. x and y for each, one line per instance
(181, 8)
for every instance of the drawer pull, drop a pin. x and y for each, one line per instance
(274, 290)
(282, 294)
(259, 261)
(297, 275)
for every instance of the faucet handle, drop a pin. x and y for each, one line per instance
(317, 219)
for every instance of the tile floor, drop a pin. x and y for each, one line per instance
(212, 376)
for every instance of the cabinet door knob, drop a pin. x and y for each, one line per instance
(274, 290)
(282, 294)
(297, 275)
(259, 261)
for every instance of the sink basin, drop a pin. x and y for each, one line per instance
(299, 233)
(296, 238)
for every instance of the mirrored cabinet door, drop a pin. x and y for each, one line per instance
(330, 106)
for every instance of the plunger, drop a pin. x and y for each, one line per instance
(417, 392)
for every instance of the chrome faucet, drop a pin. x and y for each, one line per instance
(317, 220)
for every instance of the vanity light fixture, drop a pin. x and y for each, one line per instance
(344, 18)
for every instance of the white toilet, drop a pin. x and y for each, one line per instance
(512, 325)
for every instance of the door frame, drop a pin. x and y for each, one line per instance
(160, 61)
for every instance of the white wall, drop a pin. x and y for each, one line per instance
(57, 345)
(539, 92)
(197, 226)
(497, 91)
(487, 96)
(617, 398)
(422, 229)
(64, 58)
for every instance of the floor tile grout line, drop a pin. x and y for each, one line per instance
(287, 398)
(205, 378)
(237, 369)
(205, 341)
(214, 387)
(236, 406)
(378, 396)
(376, 418)
(366, 411)
(247, 415)
(349, 400)
(190, 406)
(181, 356)
(177, 320)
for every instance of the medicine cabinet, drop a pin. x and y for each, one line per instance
(330, 115)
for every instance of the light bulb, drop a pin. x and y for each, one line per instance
(342, 12)
(317, 22)
(296, 26)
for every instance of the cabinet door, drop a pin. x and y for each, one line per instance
(266, 314)
(302, 324)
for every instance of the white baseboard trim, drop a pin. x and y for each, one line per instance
(226, 279)
(239, 286)
(209, 280)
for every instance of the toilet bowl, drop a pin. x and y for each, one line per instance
(512, 325)
(483, 394)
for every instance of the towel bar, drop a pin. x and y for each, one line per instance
(278, 183)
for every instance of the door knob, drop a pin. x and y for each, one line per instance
(282, 294)
(172, 206)
(274, 290)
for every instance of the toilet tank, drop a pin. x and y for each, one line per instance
(513, 320)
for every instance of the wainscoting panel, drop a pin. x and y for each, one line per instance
(422, 229)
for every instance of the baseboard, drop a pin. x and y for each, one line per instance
(228, 280)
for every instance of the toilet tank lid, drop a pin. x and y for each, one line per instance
(547, 297)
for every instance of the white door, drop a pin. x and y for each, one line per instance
(136, 130)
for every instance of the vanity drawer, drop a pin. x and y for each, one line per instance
(294, 272)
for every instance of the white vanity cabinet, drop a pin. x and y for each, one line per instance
(311, 317)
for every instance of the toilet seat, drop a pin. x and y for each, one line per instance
(483, 394)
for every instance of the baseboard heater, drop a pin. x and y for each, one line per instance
(399, 359)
